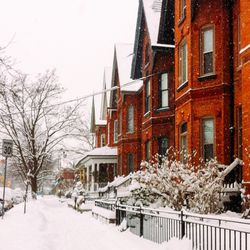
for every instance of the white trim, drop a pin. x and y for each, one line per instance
(244, 49)
(171, 46)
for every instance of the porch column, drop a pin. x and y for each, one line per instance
(87, 178)
(92, 177)
(98, 172)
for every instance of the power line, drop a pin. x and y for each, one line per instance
(94, 94)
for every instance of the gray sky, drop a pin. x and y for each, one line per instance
(74, 36)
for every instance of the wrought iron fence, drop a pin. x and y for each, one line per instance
(205, 232)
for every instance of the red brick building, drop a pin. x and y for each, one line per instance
(244, 51)
(154, 62)
(193, 57)
(212, 68)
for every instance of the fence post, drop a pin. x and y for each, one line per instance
(141, 222)
(117, 214)
(182, 225)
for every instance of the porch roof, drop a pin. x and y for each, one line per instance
(100, 155)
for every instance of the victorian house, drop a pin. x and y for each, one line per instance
(182, 84)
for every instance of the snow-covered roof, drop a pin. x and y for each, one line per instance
(101, 122)
(152, 10)
(107, 151)
(124, 56)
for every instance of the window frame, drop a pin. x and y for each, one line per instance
(183, 9)
(147, 150)
(181, 136)
(160, 148)
(120, 124)
(181, 80)
(103, 137)
(147, 96)
(163, 91)
(116, 131)
(203, 136)
(130, 159)
(203, 53)
(130, 112)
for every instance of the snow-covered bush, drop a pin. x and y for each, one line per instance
(175, 184)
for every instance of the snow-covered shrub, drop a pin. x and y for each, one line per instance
(175, 184)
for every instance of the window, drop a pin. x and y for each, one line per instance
(183, 64)
(207, 50)
(183, 7)
(147, 150)
(103, 140)
(239, 131)
(147, 96)
(115, 131)
(120, 124)
(130, 119)
(163, 91)
(108, 133)
(162, 146)
(208, 138)
(130, 163)
(183, 142)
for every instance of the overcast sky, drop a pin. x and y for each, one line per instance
(76, 37)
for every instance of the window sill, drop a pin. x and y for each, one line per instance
(162, 109)
(207, 77)
(146, 114)
(239, 67)
(130, 133)
(146, 65)
(182, 86)
(181, 21)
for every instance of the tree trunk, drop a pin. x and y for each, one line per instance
(34, 184)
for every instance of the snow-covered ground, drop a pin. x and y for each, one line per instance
(51, 225)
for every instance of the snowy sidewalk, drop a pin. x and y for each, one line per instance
(51, 225)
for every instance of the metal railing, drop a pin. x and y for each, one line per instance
(205, 232)
(109, 205)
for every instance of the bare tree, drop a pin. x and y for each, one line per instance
(30, 116)
(83, 139)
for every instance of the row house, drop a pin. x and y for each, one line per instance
(192, 61)
(154, 63)
(211, 70)
(139, 119)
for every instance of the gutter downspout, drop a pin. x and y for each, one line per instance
(231, 81)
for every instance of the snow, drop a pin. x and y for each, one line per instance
(245, 49)
(9, 193)
(101, 122)
(124, 55)
(51, 225)
(152, 10)
(102, 151)
(105, 213)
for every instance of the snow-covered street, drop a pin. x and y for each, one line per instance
(51, 225)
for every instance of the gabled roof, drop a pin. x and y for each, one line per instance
(101, 123)
(102, 155)
(157, 16)
(105, 94)
(124, 57)
(152, 10)
(92, 121)
(122, 63)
